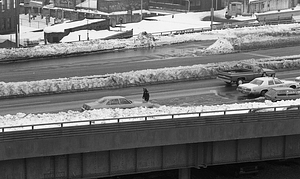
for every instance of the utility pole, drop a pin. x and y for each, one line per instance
(87, 29)
(141, 10)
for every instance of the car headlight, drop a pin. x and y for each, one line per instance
(248, 89)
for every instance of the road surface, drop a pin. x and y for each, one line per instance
(124, 61)
(158, 93)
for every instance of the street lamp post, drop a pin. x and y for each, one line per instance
(17, 20)
(189, 5)
(212, 15)
(87, 27)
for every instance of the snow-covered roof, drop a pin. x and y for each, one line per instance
(92, 34)
(68, 25)
(88, 4)
(256, 1)
(36, 4)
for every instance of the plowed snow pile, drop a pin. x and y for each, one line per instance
(21, 119)
(222, 45)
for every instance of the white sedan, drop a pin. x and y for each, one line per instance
(116, 102)
(259, 86)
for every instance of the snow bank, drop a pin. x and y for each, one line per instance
(141, 77)
(241, 36)
(22, 119)
(222, 45)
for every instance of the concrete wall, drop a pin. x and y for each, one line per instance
(144, 146)
(81, 139)
(148, 159)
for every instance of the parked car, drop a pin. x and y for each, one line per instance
(297, 79)
(244, 73)
(282, 93)
(116, 102)
(259, 86)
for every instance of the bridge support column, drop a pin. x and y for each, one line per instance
(184, 173)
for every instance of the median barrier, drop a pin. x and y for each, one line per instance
(135, 78)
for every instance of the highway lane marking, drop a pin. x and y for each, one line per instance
(259, 55)
(170, 93)
(206, 89)
(151, 60)
(26, 104)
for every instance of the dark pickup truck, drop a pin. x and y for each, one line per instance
(243, 73)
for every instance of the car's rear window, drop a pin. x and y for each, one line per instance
(124, 101)
(102, 100)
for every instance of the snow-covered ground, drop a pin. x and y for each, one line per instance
(234, 37)
(132, 115)
(237, 37)
(168, 24)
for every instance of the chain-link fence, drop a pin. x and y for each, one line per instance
(35, 23)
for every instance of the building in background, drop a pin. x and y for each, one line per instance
(237, 7)
(188, 5)
(259, 6)
(9, 16)
(9, 21)
(249, 7)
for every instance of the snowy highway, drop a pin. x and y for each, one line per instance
(73, 101)
(124, 61)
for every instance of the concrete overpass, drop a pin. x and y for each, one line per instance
(91, 149)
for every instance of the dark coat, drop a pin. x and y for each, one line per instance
(146, 95)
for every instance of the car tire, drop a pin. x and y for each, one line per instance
(227, 16)
(293, 86)
(263, 92)
(239, 81)
(228, 83)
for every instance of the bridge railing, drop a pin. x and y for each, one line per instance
(145, 118)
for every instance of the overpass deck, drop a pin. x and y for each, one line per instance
(176, 141)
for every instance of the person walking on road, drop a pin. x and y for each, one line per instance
(146, 95)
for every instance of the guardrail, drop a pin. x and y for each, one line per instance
(184, 31)
(146, 118)
(222, 26)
